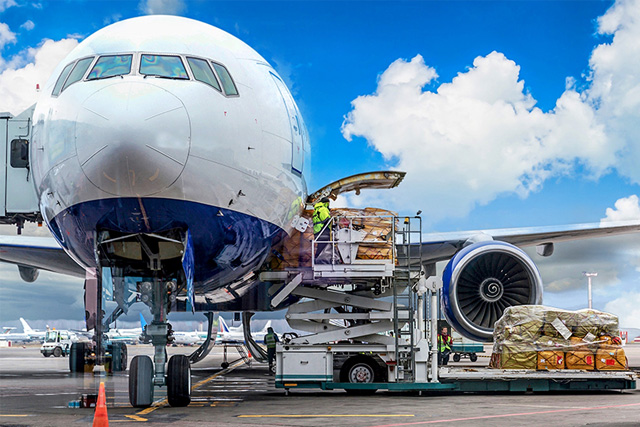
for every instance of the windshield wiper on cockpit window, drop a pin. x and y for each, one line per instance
(165, 77)
(105, 77)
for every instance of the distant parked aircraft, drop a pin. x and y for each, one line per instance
(33, 333)
(7, 335)
(129, 336)
(228, 334)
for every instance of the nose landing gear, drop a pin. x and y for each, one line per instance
(146, 374)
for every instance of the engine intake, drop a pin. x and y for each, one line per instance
(481, 281)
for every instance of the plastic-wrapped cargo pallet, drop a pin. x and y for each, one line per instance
(544, 338)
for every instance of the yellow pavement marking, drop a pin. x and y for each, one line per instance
(135, 418)
(325, 415)
(152, 408)
(214, 376)
(164, 402)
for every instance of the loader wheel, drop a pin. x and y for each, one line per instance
(473, 357)
(57, 352)
(359, 370)
(456, 357)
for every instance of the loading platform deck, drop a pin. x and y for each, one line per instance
(461, 379)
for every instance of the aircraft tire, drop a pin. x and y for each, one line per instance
(141, 382)
(179, 381)
(57, 352)
(76, 357)
(119, 356)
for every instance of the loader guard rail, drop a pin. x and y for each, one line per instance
(356, 239)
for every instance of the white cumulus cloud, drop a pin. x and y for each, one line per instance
(627, 308)
(34, 66)
(162, 7)
(615, 83)
(468, 141)
(28, 25)
(6, 35)
(6, 4)
(626, 209)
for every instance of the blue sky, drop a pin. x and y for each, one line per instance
(353, 66)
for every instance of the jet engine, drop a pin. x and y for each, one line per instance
(481, 281)
(28, 274)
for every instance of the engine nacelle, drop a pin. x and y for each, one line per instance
(28, 274)
(481, 281)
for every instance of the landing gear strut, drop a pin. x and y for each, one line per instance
(177, 378)
(161, 262)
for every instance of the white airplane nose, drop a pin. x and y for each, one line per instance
(133, 138)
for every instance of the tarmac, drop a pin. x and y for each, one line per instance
(36, 391)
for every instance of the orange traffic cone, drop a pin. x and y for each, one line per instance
(249, 354)
(100, 418)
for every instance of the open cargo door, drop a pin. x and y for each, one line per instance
(369, 181)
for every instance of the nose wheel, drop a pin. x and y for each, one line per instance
(141, 382)
(146, 373)
(179, 381)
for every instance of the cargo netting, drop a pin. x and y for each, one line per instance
(544, 338)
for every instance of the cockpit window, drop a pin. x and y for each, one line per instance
(163, 66)
(227, 82)
(202, 72)
(110, 66)
(78, 72)
(61, 79)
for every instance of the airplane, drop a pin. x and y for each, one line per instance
(228, 334)
(168, 151)
(7, 335)
(129, 336)
(33, 334)
(188, 337)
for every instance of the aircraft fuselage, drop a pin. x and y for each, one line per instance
(170, 124)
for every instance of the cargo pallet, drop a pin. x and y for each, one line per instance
(372, 325)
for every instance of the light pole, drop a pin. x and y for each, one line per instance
(589, 276)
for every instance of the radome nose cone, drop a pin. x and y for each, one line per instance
(133, 139)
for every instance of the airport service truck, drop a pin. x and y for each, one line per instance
(384, 336)
(58, 343)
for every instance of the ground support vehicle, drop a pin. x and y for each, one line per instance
(324, 367)
(57, 343)
(383, 335)
(466, 349)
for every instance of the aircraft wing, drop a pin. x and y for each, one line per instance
(442, 246)
(42, 253)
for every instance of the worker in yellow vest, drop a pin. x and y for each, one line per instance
(270, 340)
(445, 341)
(321, 219)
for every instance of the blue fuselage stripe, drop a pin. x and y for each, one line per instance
(227, 244)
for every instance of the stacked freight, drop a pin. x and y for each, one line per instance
(377, 244)
(537, 337)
